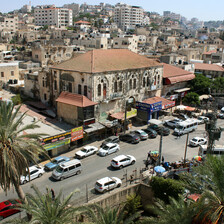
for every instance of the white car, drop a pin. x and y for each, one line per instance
(35, 171)
(108, 149)
(172, 123)
(202, 119)
(107, 183)
(196, 141)
(122, 161)
(86, 151)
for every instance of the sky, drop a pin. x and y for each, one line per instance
(202, 9)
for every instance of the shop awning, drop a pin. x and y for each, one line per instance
(180, 78)
(190, 108)
(120, 115)
(181, 90)
(165, 102)
(94, 127)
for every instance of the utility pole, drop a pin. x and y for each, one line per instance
(185, 153)
(125, 115)
(160, 147)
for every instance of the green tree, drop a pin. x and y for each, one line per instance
(200, 84)
(218, 83)
(165, 188)
(175, 212)
(47, 210)
(98, 215)
(17, 99)
(17, 149)
(192, 99)
(208, 179)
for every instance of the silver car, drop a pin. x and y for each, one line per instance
(142, 134)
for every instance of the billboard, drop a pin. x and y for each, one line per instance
(76, 133)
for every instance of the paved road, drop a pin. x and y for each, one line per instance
(95, 167)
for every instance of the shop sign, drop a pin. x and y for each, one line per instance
(76, 133)
(56, 138)
(142, 106)
(183, 94)
(131, 113)
(56, 144)
(90, 122)
(168, 105)
(156, 106)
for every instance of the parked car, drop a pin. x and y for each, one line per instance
(122, 161)
(196, 141)
(172, 123)
(108, 149)
(220, 115)
(202, 119)
(222, 110)
(142, 134)
(151, 133)
(111, 139)
(163, 131)
(86, 151)
(8, 208)
(107, 183)
(130, 137)
(55, 162)
(183, 116)
(34, 171)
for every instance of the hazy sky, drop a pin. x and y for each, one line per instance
(201, 9)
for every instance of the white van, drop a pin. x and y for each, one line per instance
(185, 127)
(217, 150)
(67, 169)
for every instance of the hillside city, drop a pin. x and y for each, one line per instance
(110, 114)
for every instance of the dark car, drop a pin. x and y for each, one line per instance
(131, 138)
(111, 139)
(8, 208)
(183, 116)
(152, 133)
(163, 130)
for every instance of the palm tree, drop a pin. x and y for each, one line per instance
(46, 209)
(176, 212)
(17, 149)
(208, 179)
(99, 215)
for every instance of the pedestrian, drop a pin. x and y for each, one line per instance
(146, 164)
(162, 160)
(131, 178)
(149, 154)
(52, 194)
(178, 134)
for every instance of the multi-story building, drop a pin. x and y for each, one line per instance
(9, 72)
(9, 24)
(53, 16)
(127, 17)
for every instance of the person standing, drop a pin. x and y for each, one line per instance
(52, 194)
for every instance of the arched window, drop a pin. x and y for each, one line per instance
(85, 90)
(148, 81)
(120, 86)
(134, 85)
(99, 90)
(158, 80)
(130, 84)
(144, 82)
(55, 84)
(115, 86)
(79, 89)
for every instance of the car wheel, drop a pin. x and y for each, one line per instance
(62, 178)
(104, 191)
(78, 172)
(121, 167)
(25, 181)
(133, 162)
(118, 185)
(40, 174)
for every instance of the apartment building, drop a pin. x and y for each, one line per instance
(53, 16)
(9, 24)
(9, 72)
(127, 17)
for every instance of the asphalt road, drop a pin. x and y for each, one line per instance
(95, 167)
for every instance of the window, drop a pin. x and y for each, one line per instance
(55, 84)
(70, 87)
(134, 85)
(99, 90)
(12, 73)
(36, 55)
(45, 96)
(158, 80)
(72, 167)
(85, 90)
(79, 89)
(130, 84)
(120, 86)
(2, 74)
(115, 86)
(144, 82)
(148, 82)
(78, 165)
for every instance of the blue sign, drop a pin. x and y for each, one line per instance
(156, 106)
(143, 106)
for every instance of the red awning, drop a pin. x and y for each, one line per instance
(189, 108)
(165, 103)
(180, 78)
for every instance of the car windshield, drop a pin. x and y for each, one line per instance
(84, 150)
(200, 118)
(105, 147)
(55, 161)
(98, 184)
(107, 140)
(180, 127)
(194, 140)
(59, 169)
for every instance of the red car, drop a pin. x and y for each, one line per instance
(8, 208)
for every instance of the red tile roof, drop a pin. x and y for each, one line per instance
(165, 103)
(82, 22)
(99, 60)
(208, 67)
(210, 52)
(75, 99)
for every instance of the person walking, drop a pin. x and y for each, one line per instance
(52, 194)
